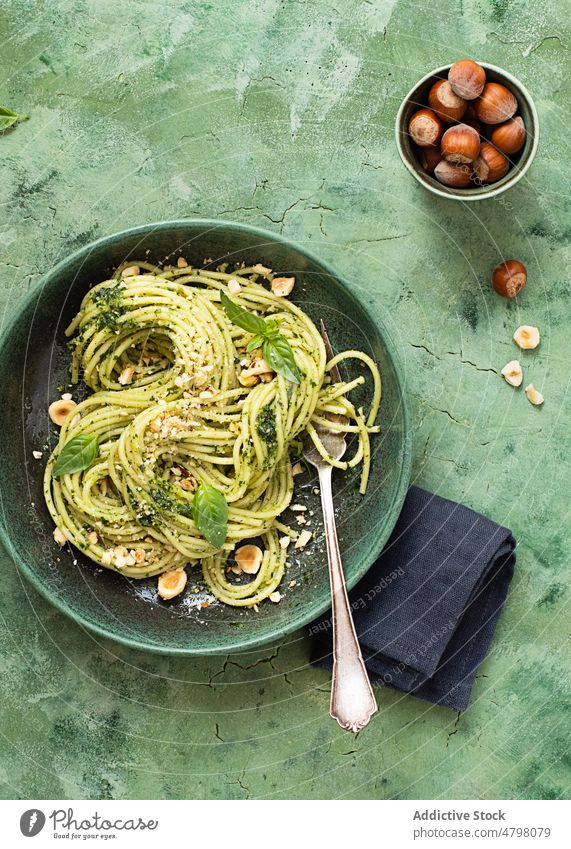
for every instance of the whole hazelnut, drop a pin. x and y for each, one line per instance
(429, 158)
(496, 104)
(447, 105)
(509, 278)
(460, 143)
(425, 128)
(491, 165)
(457, 176)
(509, 137)
(467, 79)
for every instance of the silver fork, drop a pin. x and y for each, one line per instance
(352, 700)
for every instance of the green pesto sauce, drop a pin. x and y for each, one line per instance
(266, 427)
(167, 499)
(109, 302)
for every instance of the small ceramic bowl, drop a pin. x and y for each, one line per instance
(520, 162)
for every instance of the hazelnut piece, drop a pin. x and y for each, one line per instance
(509, 277)
(460, 143)
(509, 137)
(283, 286)
(447, 105)
(527, 337)
(467, 79)
(513, 373)
(171, 583)
(425, 128)
(59, 410)
(490, 165)
(249, 559)
(457, 176)
(495, 105)
(534, 396)
(131, 271)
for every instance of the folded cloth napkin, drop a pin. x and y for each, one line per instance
(426, 611)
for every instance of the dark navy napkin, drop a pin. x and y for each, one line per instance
(426, 611)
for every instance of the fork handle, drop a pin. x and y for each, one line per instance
(352, 700)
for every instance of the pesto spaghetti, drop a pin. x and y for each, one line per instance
(202, 382)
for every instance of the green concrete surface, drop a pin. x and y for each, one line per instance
(280, 113)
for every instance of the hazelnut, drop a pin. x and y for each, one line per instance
(172, 583)
(59, 411)
(447, 105)
(457, 176)
(126, 375)
(131, 271)
(460, 143)
(429, 158)
(467, 79)
(283, 286)
(509, 277)
(527, 337)
(249, 559)
(533, 395)
(495, 105)
(181, 262)
(513, 373)
(490, 165)
(425, 128)
(509, 137)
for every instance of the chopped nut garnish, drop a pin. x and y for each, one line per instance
(67, 396)
(292, 584)
(282, 286)
(59, 411)
(181, 262)
(276, 597)
(249, 558)
(284, 542)
(513, 373)
(297, 469)
(233, 286)
(139, 555)
(60, 537)
(298, 508)
(37, 455)
(92, 537)
(131, 271)
(534, 396)
(527, 337)
(303, 539)
(248, 379)
(126, 375)
(172, 583)
(261, 269)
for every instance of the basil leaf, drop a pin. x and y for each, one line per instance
(210, 514)
(256, 342)
(279, 355)
(7, 118)
(244, 319)
(77, 454)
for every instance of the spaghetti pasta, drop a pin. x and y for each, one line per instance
(181, 401)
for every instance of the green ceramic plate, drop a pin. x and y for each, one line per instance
(34, 361)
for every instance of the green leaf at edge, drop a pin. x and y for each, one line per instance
(7, 118)
(244, 319)
(279, 355)
(76, 455)
(210, 514)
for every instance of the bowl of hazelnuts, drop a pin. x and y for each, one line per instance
(467, 131)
